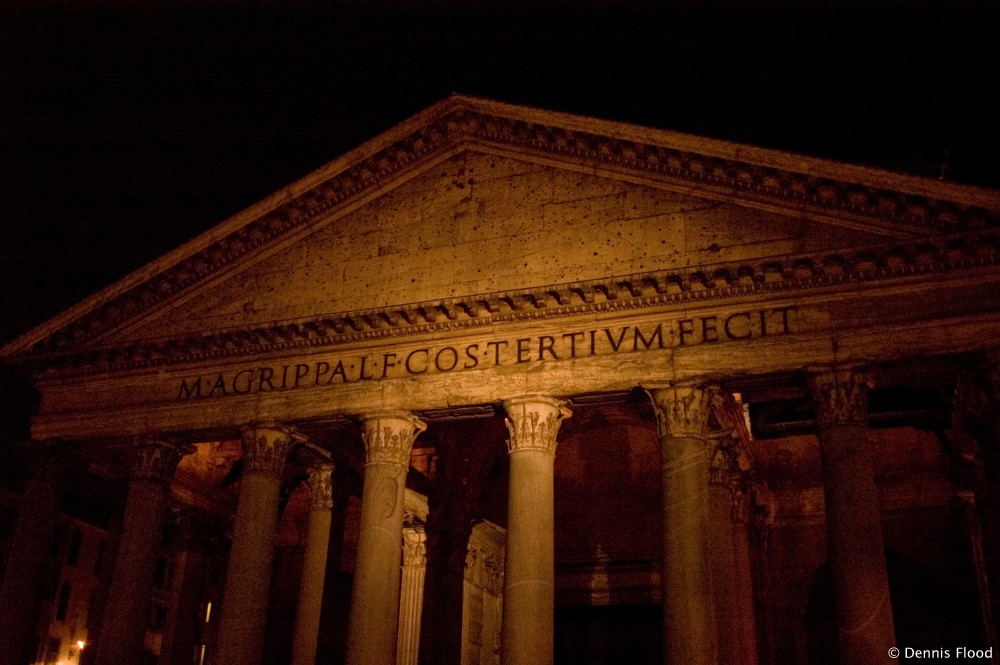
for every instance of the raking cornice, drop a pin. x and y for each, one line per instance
(803, 186)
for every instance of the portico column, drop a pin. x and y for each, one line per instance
(529, 571)
(313, 564)
(126, 610)
(28, 560)
(411, 594)
(244, 602)
(191, 548)
(689, 626)
(853, 521)
(729, 546)
(388, 438)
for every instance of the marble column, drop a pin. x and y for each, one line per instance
(388, 438)
(126, 611)
(306, 632)
(529, 570)
(30, 552)
(689, 624)
(729, 550)
(248, 578)
(411, 594)
(853, 522)
(194, 535)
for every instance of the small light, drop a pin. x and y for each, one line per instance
(80, 644)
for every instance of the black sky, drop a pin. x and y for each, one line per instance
(125, 132)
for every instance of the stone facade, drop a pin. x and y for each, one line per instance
(778, 369)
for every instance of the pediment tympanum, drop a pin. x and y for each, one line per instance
(480, 224)
(491, 237)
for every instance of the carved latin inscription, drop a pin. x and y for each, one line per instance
(407, 362)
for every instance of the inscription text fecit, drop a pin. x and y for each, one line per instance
(713, 329)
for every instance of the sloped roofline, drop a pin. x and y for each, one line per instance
(801, 182)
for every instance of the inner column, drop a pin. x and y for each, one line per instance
(529, 572)
(689, 627)
(306, 629)
(865, 630)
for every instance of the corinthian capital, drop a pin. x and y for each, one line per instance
(156, 458)
(320, 481)
(389, 437)
(682, 412)
(414, 547)
(265, 448)
(533, 422)
(840, 397)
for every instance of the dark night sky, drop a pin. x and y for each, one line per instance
(125, 132)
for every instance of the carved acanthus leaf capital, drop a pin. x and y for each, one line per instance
(681, 411)
(389, 437)
(266, 447)
(155, 458)
(320, 481)
(725, 469)
(533, 422)
(840, 397)
(414, 547)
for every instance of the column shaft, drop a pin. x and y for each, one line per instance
(27, 565)
(371, 636)
(689, 626)
(411, 595)
(854, 528)
(126, 612)
(306, 631)
(529, 571)
(248, 578)
(731, 580)
(180, 636)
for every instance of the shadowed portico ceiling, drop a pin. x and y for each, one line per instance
(928, 226)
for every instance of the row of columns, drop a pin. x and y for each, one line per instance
(533, 421)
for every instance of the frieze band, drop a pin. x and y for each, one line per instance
(711, 329)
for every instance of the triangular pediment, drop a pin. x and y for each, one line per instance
(473, 205)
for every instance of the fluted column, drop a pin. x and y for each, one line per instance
(244, 603)
(126, 611)
(388, 439)
(853, 522)
(28, 560)
(411, 594)
(689, 628)
(306, 631)
(529, 571)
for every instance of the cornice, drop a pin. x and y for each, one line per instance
(704, 285)
(761, 177)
